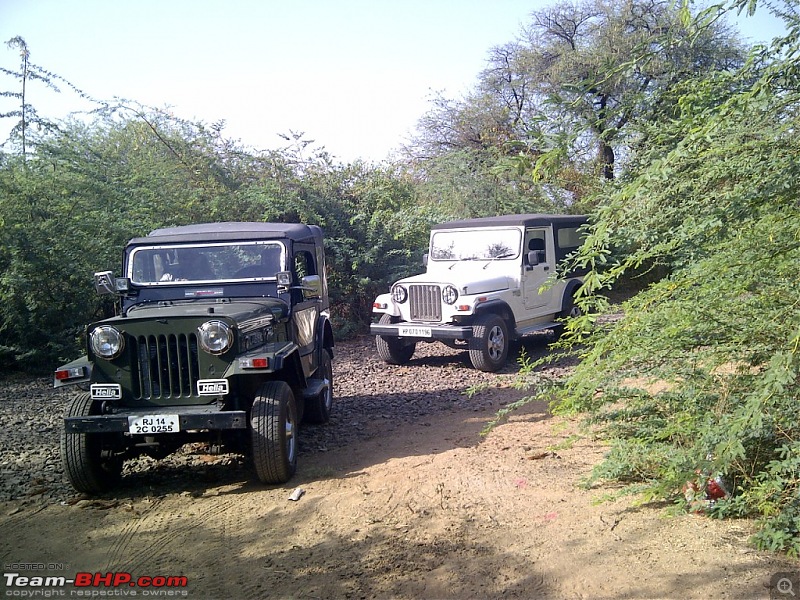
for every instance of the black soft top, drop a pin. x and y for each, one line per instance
(528, 220)
(222, 232)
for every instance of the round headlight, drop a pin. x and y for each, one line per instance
(215, 337)
(449, 294)
(399, 294)
(107, 342)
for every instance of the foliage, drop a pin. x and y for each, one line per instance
(24, 111)
(575, 84)
(699, 376)
(67, 210)
(83, 188)
(477, 183)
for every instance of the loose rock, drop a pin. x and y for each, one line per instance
(371, 399)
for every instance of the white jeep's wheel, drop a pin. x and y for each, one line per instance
(90, 462)
(393, 350)
(273, 432)
(569, 311)
(488, 347)
(318, 408)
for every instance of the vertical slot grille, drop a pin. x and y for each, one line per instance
(425, 302)
(167, 366)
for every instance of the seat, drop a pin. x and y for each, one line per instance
(271, 260)
(193, 266)
(252, 271)
(537, 245)
(270, 264)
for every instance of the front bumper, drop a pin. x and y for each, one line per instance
(437, 332)
(190, 418)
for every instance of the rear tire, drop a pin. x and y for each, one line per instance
(273, 432)
(488, 346)
(569, 310)
(90, 462)
(392, 350)
(318, 409)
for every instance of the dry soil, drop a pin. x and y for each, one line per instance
(402, 498)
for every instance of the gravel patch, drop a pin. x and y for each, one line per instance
(371, 398)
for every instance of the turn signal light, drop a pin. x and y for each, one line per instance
(74, 372)
(254, 363)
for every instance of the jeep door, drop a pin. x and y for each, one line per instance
(540, 241)
(306, 309)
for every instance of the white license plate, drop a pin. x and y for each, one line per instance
(416, 332)
(147, 424)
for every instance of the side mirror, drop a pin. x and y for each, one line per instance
(104, 283)
(425, 260)
(311, 286)
(533, 258)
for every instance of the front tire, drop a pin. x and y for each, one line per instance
(488, 346)
(393, 350)
(90, 462)
(318, 408)
(273, 432)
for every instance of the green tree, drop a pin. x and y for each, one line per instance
(578, 80)
(67, 210)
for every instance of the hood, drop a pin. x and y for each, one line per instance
(466, 283)
(240, 311)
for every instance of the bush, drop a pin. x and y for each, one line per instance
(700, 375)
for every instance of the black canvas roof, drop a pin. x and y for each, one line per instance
(205, 232)
(528, 220)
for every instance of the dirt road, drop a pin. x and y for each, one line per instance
(402, 499)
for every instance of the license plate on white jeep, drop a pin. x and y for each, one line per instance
(149, 424)
(416, 332)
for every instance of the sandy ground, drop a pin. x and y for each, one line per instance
(427, 508)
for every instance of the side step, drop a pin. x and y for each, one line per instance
(538, 327)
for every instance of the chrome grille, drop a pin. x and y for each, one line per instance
(167, 366)
(426, 303)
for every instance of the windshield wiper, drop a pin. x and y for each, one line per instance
(458, 260)
(505, 255)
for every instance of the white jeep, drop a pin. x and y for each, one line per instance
(488, 281)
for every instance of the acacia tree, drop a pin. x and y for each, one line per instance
(608, 63)
(26, 112)
(579, 75)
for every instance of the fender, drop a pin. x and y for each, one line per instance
(569, 291)
(324, 332)
(499, 307)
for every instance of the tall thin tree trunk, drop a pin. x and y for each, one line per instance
(606, 155)
(605, 150)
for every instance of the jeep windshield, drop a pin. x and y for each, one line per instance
(191, 264)
(476, 244)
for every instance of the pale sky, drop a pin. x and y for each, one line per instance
(354, 75)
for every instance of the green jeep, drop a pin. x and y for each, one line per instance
(222, 335)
